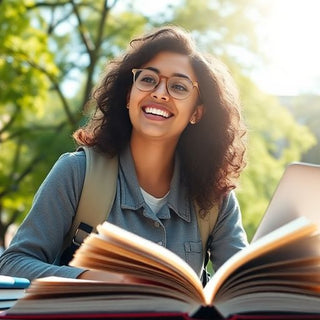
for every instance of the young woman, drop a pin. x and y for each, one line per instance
(172, 117)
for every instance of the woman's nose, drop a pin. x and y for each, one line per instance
(160, 92)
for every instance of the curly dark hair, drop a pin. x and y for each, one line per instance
(211, 152)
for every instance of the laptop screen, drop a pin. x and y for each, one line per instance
(297, 194)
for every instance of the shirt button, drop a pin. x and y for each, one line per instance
(157, 224)
(160, 243)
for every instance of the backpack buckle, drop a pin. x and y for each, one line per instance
(81, 233)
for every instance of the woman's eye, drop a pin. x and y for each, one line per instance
(148, 79)
(179, 87)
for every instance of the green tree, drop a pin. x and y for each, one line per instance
(225, 28)
(306, 110)
(24, 87)
(275, 139)
(43, 46)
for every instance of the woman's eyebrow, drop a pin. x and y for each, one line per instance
(181, 75)
(177, 74)
(153, 69)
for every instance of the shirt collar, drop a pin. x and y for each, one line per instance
(131, 196)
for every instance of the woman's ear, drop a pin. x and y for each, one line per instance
(197, 114)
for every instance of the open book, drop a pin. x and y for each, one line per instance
(278, 272)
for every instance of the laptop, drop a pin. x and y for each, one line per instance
(297, 194)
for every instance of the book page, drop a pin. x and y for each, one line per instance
(55, 287)
(252, 272)
(139, 253)
(58, 295)
(297, 229)
(277, 303)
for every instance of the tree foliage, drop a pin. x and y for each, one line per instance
(306, 110)
(274, 140)
(24, 57)
(44, 46)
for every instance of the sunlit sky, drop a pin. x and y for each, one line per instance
(290, 39)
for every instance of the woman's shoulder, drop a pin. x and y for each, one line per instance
(230, 203)
(69, 164)
(75, 158)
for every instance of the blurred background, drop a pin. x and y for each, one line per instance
(52, 53)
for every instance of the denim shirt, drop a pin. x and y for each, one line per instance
(174, 226)
(38, 242)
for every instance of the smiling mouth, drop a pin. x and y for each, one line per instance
(157, 112)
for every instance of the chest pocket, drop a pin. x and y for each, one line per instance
(193, 253)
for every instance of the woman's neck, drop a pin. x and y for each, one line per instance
(154, 164)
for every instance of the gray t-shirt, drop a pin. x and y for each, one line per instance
(34, 250)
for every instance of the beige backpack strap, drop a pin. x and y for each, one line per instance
(97, 194)
(207, 223)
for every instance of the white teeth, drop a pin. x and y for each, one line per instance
(157, 112)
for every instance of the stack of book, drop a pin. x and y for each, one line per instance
(11, 289)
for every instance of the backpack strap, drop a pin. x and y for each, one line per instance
(206, 223)
(97, 196)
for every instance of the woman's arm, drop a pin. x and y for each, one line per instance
(37, 243)
(228, 234)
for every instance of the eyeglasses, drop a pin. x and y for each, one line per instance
(178, 87)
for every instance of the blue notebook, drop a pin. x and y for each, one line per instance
(7, 282)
